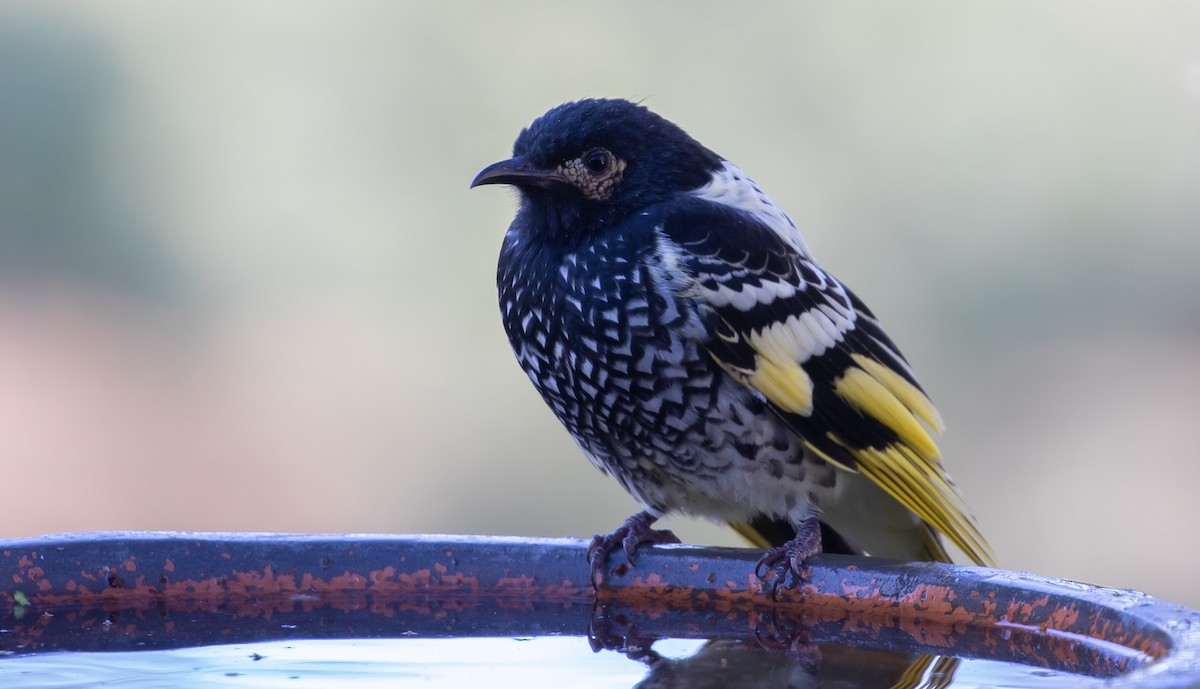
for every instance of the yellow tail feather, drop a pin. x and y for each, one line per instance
(910, 469)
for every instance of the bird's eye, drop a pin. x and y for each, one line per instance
(595, 173)
(597, 161)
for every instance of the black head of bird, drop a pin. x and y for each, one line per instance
(589, 164)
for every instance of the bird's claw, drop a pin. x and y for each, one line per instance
(633, 533)
(606, 634)
(789, 558)
(788, 639)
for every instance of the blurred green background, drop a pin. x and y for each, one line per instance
(243, 285)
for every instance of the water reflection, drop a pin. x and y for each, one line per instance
(507, 662)
(741, 665)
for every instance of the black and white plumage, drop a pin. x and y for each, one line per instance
(676, 322)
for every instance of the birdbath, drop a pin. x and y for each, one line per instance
(141, 605)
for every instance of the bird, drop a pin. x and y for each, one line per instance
(676, 322)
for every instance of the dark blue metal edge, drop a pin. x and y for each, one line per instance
(130, 590)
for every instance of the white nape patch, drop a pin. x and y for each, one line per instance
(731, 187)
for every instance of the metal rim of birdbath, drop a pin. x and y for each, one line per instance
(154, 590)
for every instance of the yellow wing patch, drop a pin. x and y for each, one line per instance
(910, 469)
(916, 401)
(787, 385)
(777, 373)
(864, 392)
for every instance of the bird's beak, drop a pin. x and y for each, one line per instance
(518, 172)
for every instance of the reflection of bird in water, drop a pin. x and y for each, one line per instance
(729, 664)
(732, 665)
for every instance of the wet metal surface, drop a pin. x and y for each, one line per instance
(124, 591)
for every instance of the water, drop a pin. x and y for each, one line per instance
(500, 663)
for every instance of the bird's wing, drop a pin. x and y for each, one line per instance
(780, 324)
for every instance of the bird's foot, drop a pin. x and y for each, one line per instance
(778, 562)
(609, 634)
(634, 532)
(792, 641)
